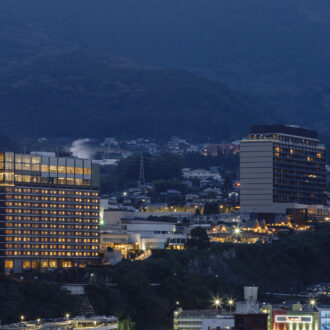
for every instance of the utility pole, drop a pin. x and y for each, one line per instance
(142, 180)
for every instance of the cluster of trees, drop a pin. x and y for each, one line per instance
(145, 293)
(206, 269)
(165, 168)
(198, 239)
(33, 299)
(164, 171)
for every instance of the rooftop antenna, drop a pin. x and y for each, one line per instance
(142, 180)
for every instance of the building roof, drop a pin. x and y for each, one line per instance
(284, 129)
(144, 222)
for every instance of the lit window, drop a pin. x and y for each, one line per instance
(9, 264)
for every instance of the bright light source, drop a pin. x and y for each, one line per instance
(237, 231)
(231, 302)
(217, 302)
(312, 302)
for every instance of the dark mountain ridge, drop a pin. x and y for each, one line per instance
(52, 85)
(278, 51)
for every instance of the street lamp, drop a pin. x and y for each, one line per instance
(177, 303)
(38, 320)
(237, 230)
(312, 302)
(231, 303)
(67, 315)
(22, 318)
(217, 303)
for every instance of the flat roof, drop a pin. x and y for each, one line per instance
(285, 129)
(145, 222)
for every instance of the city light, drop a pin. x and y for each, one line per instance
(231, 302)
(237, 230)
(312, 302)
(217, 302)
(67, 315)
(22, 318)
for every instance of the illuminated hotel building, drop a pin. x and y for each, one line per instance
(292, 317)
(282, 170)
(49, 212)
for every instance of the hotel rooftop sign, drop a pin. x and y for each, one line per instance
(293, 319)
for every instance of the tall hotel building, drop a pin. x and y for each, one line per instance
(282, 171)
(49, 212)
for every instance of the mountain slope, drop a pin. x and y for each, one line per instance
(77, 95)
(277, 50)
(52, 85)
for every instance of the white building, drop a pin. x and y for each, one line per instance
(324, 317)
(202, 320)
(153, 234)
(122, 228)
(201, 174)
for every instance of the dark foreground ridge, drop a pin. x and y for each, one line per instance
(147, 291)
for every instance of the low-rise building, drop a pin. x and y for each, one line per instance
(79, 323)
(324, 317)
(201, 174)
(122, 232)
(202, 320)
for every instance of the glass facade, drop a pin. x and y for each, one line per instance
(324, 316)
(31, 169)
(49, 212)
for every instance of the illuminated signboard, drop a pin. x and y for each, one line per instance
(294, 319)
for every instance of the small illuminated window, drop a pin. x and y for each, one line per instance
(9, 264)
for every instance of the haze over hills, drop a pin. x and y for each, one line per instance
(115, 67)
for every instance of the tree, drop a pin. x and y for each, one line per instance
(198, 238)
(197, 211)
(211, 208)
(126, 324)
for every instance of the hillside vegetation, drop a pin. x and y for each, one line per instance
(278, 51)
(146, 291)
(194, 277)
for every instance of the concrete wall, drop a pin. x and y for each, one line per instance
(256, 176)
(220, 322)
